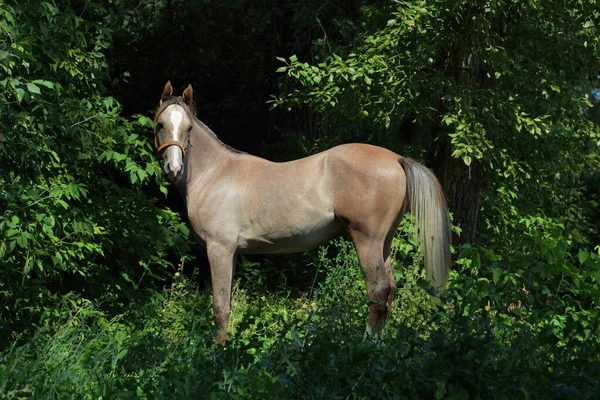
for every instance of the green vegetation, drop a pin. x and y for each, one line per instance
(494, 339)
(102, 292)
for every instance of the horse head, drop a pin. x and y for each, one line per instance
(173, 122)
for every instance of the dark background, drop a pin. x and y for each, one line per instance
(227, 50)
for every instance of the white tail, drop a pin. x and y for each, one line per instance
(425, 199)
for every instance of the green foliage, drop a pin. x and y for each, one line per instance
(72, 201)
(505, 331)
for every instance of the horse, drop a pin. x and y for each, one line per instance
(238, 203)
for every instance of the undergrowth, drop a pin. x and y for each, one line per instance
(503, 332)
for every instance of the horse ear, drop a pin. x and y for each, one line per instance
(167, 92)
(188, 94)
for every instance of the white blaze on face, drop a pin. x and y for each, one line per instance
(174, 154)
(176, 118)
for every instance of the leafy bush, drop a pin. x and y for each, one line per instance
(72, 186)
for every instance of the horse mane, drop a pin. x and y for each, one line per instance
(190, 110)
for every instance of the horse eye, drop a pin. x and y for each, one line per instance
(159, 126)
(189, 128)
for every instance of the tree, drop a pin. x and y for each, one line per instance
(498, 92)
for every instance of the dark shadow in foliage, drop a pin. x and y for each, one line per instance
(227, 50)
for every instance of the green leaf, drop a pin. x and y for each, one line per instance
(20, 93)
(145, 121)
(57, 259)
(42, 82)
(62, 203)
(164, 190)
(141, 174)
(118, 156)
(11, 232)
(108, 103)
(22, 240)
(496, 273)
(33, 88)
(583, 256)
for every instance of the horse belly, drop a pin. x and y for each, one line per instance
(290, 238)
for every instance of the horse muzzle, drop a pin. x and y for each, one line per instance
(173, 171)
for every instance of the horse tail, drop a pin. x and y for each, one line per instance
(425, 199)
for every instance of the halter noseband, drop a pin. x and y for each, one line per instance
(167, 144)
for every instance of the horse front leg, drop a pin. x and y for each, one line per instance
(221, 259)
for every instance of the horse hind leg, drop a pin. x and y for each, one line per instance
(379, 288)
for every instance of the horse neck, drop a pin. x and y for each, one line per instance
(204, 151)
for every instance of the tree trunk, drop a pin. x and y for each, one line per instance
(462, 185)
